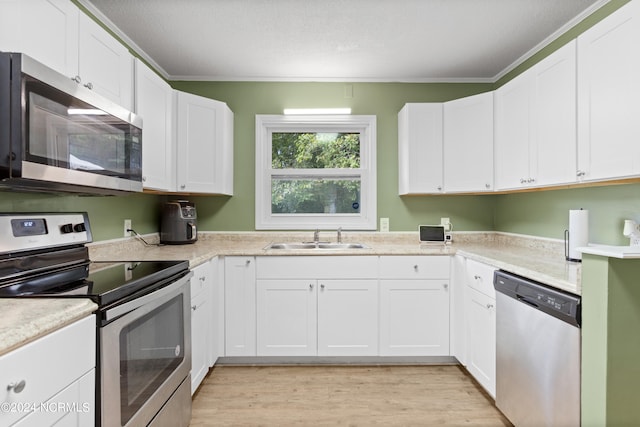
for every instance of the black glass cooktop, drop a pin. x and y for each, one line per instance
(103, 282)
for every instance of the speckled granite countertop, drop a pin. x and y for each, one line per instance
(537, 258)
(26, 319)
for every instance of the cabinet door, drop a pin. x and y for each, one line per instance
(414, 318)
(105, 64)
(608, 88)
(481, 339)
(46, 30)
(154, 103)
(240, 306)
(287, 317)
(420, 148)
(468, 144)
(348, 318)
(199, 340)
(554, 130)
(512, 132)
(204, 145)
(200, 323)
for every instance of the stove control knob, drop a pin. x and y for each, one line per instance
(80, 227)
(66, 228)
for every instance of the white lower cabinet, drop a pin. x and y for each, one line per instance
(481, 324)
(332, 313)
(240, 306)
(201, 325)
(414, 306)
(51, 381)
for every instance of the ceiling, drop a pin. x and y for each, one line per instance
(338, 40)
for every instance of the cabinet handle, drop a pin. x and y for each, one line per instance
(144, 179)
(415, 268)
(445, 286)
(531, 180)
(581, 173)
(89, 86)
(477, 277)
(194, 307)
(183, 186)
(322, 286)
(439, 187)
(489, 306)
(310, 286)
(17, 387)
(487, 186)
(76, 79)
(248, 262)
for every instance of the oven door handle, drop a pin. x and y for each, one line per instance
(146, 299)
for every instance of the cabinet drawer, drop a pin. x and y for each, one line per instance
(480, 277)
(414, 267)
(317, 267)
(47, 366)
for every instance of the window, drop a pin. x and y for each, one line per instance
(315, 172)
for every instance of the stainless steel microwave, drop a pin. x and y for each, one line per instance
(57, 135)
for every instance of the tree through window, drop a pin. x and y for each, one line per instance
(318, 171)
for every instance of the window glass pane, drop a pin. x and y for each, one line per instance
(315, 196)
(310, 150)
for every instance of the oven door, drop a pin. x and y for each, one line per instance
(145, 354)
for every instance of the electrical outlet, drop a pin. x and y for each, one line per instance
(127, 226)
(384, 225)
(444, 221)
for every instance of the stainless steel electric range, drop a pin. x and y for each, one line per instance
(143, 318)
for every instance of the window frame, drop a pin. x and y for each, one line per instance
(365, 125)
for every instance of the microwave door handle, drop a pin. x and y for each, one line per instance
(146, 299)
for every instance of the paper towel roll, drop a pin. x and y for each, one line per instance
(578, 233)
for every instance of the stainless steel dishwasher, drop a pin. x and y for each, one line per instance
(537, 353)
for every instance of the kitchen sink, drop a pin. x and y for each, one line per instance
(316, 245)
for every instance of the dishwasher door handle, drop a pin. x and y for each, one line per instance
(527, 301)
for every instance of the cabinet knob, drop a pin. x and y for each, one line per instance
(183, 186)
(17, 387)
(477, 277)
(415, 268)
(530, 180)
(202, 278)
(487, 186)
(310, 286)
(439, 187)
(580, 173)
(489, 306)
(144, 179)
(445, 286)
(194, 307)
(522, 180)
(322, 286)
(76, 79)
(247, 262)
(89, 86)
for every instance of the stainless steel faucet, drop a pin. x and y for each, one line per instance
(339, 238)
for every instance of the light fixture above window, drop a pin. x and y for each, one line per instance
(301, 111)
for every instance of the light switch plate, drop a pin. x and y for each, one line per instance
(384, 225)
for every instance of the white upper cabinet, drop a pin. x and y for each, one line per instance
(105, 65)
(420, 148)
(535, 136)
(154, 103)
(57, 34)
(608, 89)
(468, 144)
(46, 30)
(204, 145)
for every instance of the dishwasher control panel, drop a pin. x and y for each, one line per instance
(563, 305)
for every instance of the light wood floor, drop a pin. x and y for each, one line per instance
(342, 396)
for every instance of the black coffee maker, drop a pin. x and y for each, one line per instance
(179, 223)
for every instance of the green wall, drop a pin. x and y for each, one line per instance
(384, 100)
(541, 213)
